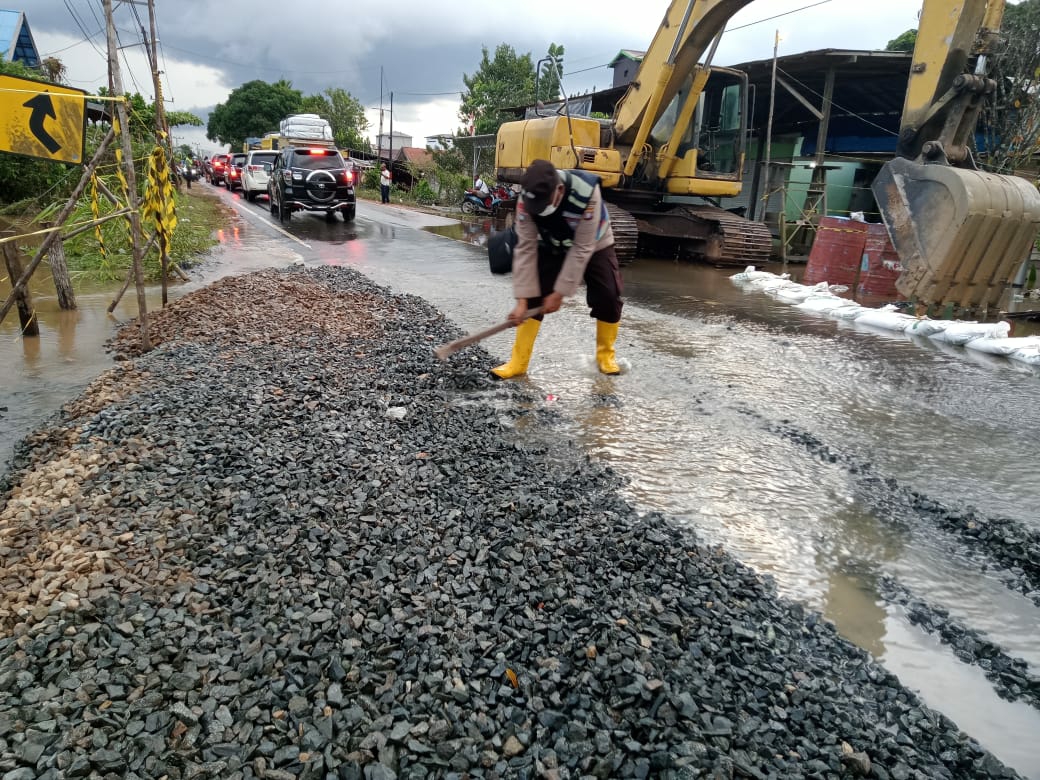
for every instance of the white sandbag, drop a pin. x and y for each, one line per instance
(1003, 346)
(849, 313)
(922, 326)
(886, 318)
(822, 302)
(1030, 355)
(962, 332)
(796, 293)
(769, 285)
(750, 274)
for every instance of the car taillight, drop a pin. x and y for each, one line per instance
(318, 151)
(348, 177)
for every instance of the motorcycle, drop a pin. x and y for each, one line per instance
(474, 202)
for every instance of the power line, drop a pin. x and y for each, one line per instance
(785, 13)
(82, 28)
(840, 108)
(732, 29)
(126, 61)
(66, 48)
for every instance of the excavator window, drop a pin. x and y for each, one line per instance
(718, 127)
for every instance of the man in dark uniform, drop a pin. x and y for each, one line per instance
(563, 237)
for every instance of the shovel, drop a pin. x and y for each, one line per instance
(444, 350)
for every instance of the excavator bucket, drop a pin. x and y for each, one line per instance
(961, 235)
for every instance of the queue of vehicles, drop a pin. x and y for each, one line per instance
(299, 169)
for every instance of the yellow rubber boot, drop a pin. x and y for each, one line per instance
(526, 333)
(606, 335)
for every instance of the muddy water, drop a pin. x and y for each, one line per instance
(708, 423)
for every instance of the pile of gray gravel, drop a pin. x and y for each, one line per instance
(290, 543)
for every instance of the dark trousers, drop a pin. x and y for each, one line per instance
(384, 192)
(603, 286)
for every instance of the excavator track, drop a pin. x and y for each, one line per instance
(626, 234)
(705, 233)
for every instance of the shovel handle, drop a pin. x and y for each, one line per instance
(444, 350)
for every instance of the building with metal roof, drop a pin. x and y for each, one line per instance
(16, 40)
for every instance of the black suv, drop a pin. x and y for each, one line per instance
(311, 179)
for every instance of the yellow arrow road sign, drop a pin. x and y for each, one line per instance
(40, 119)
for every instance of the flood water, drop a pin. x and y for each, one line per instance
(723, 386)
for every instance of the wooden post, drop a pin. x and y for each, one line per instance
(60, 274)
(131, 176)
(26, 315)
(19, 284)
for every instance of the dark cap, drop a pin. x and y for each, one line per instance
(539, 182)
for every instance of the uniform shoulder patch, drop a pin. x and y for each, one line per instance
(589, 213)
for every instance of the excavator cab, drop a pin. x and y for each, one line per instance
(710, 149)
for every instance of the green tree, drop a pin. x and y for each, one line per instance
(344, 112)
(252, 109)
(504, 81)
(54, 69)
(549, 77)
(1011, 119)
(904, 42)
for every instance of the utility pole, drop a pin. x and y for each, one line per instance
(162, 128)
(379, 143)
(391, 166)
(769, 133)
(115, 79)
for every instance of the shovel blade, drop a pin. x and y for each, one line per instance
(960, 234)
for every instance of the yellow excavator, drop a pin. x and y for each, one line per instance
(681, 129)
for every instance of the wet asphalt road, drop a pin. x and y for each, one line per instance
(716, 376)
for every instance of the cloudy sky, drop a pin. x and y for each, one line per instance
(421, 48)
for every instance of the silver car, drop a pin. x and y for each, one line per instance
(255, 172)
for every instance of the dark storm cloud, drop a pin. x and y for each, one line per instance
(422, 48)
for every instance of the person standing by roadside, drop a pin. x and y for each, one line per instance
(563, 237)
(384, 184)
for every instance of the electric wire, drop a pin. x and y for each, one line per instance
(66, 48)
(731, 29)
(82, 28)
(850, 112)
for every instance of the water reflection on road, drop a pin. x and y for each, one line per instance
(708, 423)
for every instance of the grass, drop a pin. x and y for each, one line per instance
(198, 217)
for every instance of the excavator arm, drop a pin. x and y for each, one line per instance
(960, 233)
(687, 31)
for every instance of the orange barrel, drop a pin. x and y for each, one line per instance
(881, 266)
(837, 251)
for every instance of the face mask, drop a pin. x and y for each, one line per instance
(547, 210)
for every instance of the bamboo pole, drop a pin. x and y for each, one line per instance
(19, 284)
(131, 176)
(85, 226)
(130, 275)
